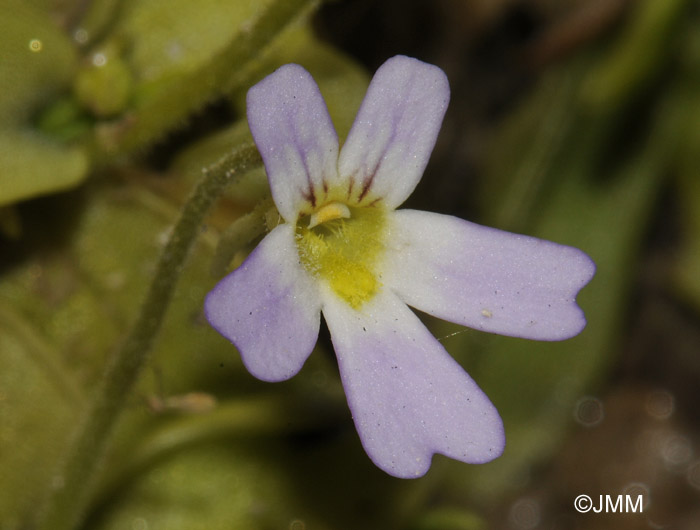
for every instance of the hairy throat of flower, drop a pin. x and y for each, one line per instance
(342, 245)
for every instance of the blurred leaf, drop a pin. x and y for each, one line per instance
(687, 278)
(167, 38)
(38, 402)
(96, 18)
(184, 54)
(185, 493)
(446, 519)
(642, 50)
(686, 113)
(250, 475)
(32, 164)
(38, 61)
(65, 303)
(256, 497)
(10, 225)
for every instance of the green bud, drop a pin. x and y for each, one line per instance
(104, 86)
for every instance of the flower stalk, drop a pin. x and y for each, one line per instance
(67, 500)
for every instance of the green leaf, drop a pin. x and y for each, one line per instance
(201, 52)
(38, 61)
(685, 111)
(39, 400)
(639, 54)
(68, 290)
(210, 487)
(449, 519)
(686, 279)
(32, 164)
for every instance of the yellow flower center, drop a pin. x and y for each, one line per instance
(342, 245)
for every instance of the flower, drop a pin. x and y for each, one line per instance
(345, 251)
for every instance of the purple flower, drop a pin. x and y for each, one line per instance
(345, 251)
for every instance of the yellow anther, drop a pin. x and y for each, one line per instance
(329, 212)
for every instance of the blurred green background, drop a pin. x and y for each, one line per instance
(573, 120)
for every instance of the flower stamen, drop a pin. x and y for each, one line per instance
(329, 212)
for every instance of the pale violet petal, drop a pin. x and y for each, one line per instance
(395, 130)
(269, 307)
(486, 278)
(296, 138)
(409, 399)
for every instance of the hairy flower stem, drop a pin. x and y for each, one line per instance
(67, 501)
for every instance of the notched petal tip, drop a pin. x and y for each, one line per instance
(579, 270)
(485, 278)
(586, 267)
(409, 399)
(490, 447)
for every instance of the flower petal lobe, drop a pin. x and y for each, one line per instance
(269, 308)
(485, 278)
(296, 138)
(409, 399)
(395, 130)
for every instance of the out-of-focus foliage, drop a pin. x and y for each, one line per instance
(38, 60)
(125, 102)
(687, 114)
(157, 63)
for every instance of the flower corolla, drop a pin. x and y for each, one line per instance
(344, 250)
